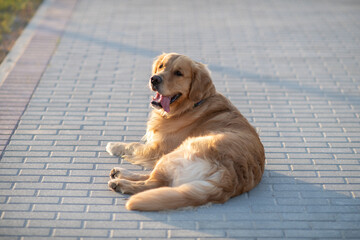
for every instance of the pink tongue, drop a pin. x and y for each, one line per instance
(165, 103)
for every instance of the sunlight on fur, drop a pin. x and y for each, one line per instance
(199, 146)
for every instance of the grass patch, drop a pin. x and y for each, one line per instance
(14, 16)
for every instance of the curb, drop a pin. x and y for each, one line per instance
(23, 41)
(23, 67)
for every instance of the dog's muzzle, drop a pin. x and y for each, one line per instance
(155, 82)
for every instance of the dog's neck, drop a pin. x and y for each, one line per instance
(166, 115)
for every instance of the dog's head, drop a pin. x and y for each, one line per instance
(179, 83)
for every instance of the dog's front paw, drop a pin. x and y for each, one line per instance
(116, 172)
(114, 185)
(120, 185)
(116, 148)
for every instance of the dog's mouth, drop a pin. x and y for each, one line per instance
(164, 102)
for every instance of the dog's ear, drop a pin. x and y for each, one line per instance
(201, 85)
(157, 62)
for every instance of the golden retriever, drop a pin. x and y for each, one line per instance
(200, 147)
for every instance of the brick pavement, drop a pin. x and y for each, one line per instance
(291, 67)
(21, 72)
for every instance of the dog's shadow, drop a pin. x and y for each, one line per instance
(278, 207)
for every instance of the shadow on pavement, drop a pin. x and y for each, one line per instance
(281, 206)
(222, 70)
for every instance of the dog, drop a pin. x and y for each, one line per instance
(200, 147)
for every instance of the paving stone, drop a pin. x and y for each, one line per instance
(54, 223)
(81, 232)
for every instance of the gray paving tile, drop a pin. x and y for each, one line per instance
(292, 68)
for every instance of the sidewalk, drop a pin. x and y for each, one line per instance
(80, 80)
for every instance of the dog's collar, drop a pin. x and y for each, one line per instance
(199, 103)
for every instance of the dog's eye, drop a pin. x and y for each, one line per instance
(161, 66)
(178, 73)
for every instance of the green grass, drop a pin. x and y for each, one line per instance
(14, 15)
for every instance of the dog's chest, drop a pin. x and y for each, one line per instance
(166, 141)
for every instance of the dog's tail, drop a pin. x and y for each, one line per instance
(166, 198)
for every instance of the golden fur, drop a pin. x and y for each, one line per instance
(203, 150)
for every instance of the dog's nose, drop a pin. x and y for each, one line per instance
(155, 80)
